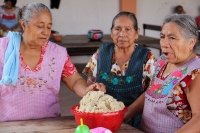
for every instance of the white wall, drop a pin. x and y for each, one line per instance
(79, 16)
(155, 11)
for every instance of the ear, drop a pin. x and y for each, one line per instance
(111, 35)
(138, 31)
(23, 24)
(192, 42)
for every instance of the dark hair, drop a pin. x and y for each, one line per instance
(31, 10)
(126, 14)
(177, 9)
(12, 1)
(186, 23)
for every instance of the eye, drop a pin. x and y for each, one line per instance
(40, 27)
(172, 38)
(162, 37)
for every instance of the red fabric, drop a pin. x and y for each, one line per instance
(198, 20)
(8, 17)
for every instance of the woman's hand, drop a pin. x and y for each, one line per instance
(96, 87)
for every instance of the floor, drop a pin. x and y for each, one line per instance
(67, 97)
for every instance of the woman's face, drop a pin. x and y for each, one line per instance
(8, 5)
(123, 32)
(38, 29)
(175, 47)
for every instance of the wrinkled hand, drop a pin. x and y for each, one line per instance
(96, 87)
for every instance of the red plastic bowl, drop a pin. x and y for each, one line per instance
(111, 120)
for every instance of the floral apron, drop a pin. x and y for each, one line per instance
(124, 88)
(156, 117)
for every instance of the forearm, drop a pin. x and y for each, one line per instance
(193, 126)
(135, 108)
(79, 87)
(76, 83)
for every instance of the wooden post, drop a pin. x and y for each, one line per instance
(128, 5)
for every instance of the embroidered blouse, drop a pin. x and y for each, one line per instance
(69, 68)
(177, 102)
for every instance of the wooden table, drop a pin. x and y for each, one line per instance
(65, 124)
(81, 45)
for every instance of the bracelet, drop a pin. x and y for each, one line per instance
(76, 82)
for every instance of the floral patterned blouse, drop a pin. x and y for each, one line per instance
(177, 101)
(69, 68)
(148, 68)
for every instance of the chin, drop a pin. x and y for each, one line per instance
(123, 45)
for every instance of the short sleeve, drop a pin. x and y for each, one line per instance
(69, 68)
(148, 70)
(91, 68)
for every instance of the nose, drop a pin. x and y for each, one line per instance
(164, 42)
(45, 31)
(122, 33)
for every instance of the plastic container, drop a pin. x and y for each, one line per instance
(95, 35)
(111, 120)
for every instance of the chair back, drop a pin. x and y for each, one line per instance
(151, 27)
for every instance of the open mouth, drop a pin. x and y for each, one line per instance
(167, 54)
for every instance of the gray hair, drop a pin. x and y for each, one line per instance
(186, 23)
(31, 10)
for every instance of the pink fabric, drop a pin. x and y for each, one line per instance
(36, 93)
(100, 130)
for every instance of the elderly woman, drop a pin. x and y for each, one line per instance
(123, 66)
(9, 17)
(31, 68)
(171, 100)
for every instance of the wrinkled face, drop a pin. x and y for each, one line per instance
(8, 5)
(123, 32)
(175, 47)
(38, 29)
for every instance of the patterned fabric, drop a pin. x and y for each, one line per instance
(148, 68)
(159, 117)
(125, 88)
(177, 101)
(36, 94)
(10, 20)
(69, 68)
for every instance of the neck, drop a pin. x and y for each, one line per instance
(190, 56)
(125, 51)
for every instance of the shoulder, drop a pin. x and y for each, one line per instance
(1, 8)
(106, 45)
(150, 56)
(17, 8)
(55, 47)
(4, 40)
(3, 44)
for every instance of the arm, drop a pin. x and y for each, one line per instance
(192, 93)
(78, 85)
(75, 82)
(135, 108)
